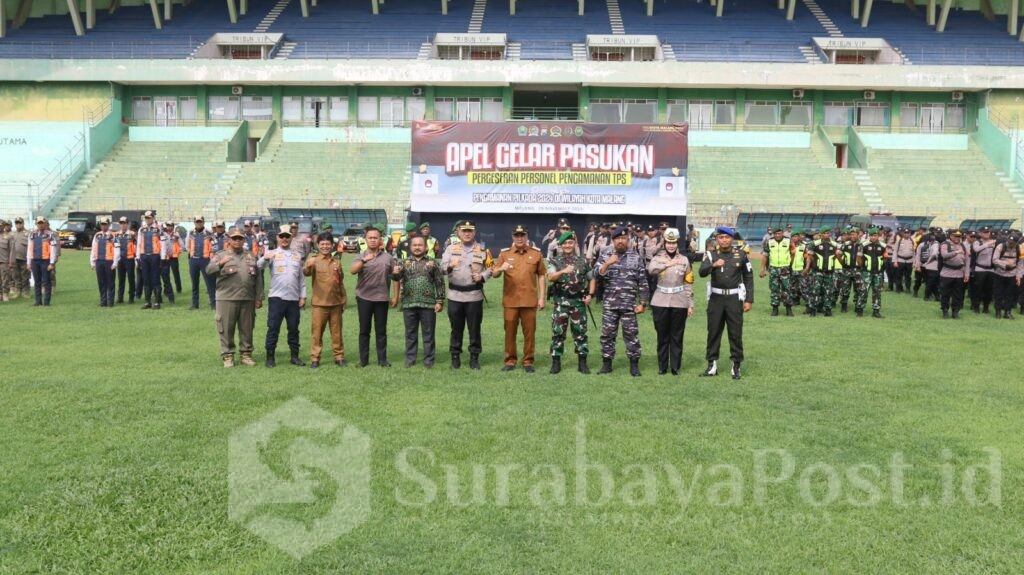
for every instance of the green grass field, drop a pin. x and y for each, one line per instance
(851, 445)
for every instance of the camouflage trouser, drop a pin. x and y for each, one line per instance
(800, 287)
(823, 291)
(874, 282)
(5, 275)
(779, 285)
(568, 315)
(847, 279)
(610, 319)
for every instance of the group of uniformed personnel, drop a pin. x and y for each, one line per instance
(824, 271)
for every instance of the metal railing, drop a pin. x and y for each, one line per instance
(546, 113)
(85, 49)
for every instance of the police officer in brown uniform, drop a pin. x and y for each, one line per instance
(19, 265)
(522, 295)
(6, 259)
(239, 295)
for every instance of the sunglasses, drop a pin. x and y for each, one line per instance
(284, 235)
(237, 237)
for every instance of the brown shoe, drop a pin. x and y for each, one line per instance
(247, 360)
(229, 361)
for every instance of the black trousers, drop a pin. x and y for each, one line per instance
(902, 276)
(150, 270)
(377, 312)
(105, 281)
(125, 271)
(464, 315)
(890, 272)
(165, 276)
(920, 277)
(417, 319)
(176, 272)
(140, 281)
(725, 310)
(1005, 292)
(41, 276)
(197, 268)
(931, 284)
(280, 310)
(951, 293)
(981, 289)
(670, 325)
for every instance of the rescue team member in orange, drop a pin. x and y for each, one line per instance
(522, 295)
(169, 261)
(149, 250)
(42, 256)
(124, 240)
(103, 258)
(199, 243)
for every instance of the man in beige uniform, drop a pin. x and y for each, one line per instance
(239, 295)
(524, 270)
(19, 269)
(329, 299)
(6, 259)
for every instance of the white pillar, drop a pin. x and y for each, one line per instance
(945, 16)
(867, 13)
(76, 17)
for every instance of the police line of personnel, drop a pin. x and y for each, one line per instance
(823, 271)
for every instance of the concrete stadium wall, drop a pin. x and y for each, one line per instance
(51, 101)
(914, 141)
(348, 135)
(181, 134)
(750, 139)
(30, 149)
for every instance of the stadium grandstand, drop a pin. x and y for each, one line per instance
(237, 107)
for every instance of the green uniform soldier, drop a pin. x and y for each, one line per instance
(872, 266)
(822, 262)
(851, 279)
(777, 264)
(239, 295)
(572, 287)
(796, 280)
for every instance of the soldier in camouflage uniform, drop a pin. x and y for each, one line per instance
(851, 277)
(777, 264)
(872, 266)
(796, 280)
(626, 294)
(822, 261)
(572, 286)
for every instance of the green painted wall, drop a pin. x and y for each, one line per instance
(348, 135)
(859, 153)
(181, 134)
(914, 141)
(742, 139)
(237, 147)
(105, 134)
(50, 102)
(996, 145)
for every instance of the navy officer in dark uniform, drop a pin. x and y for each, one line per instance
(730, 295)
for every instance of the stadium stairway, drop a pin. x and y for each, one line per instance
(951, 184)
(178, 179)
(769, 179)
(321, 175)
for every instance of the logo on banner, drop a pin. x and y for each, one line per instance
(425, 183)
(672, 187)
(556, 131)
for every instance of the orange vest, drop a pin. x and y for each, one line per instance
(207, 246)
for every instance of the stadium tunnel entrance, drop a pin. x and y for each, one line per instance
(546, 102)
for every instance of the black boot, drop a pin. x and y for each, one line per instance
(712, 369)
(295, 359)
(736, 370)
(976, 308)
(271, 361)
(775, 311)
(984, 309)
(1008, 315)
(945, 314)
(844, 308)
(606, 366)
(789, 311)
(583, 364)
(860, 313)
(474, 361)
(876, 313)
(456, 361)
(956, 314)
(828, 312)
(916, 290)
(809, 311)
(634, 366)
(556, 365)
